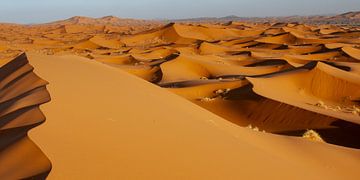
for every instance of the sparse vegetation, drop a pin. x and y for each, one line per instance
(222, 92)
(345, 109)
(206, 99)
(312, 135)
(254, 128)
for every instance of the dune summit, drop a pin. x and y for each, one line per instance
(136, 99)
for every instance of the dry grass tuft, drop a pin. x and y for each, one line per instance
(345, 109)
(206, 99)
(312, 135)
(254, 128)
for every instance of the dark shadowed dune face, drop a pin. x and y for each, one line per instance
(21, 94)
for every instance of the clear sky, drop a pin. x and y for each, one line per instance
(38, 11)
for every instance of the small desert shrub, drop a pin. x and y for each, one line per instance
(206, 99)
(313, 136)
(255, 128)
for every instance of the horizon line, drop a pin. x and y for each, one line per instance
(179, 19)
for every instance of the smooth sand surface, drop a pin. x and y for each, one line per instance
(106, 124)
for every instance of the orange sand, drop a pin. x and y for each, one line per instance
(136, 99)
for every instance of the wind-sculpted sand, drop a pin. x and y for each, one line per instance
(191, 101)
(22, 92)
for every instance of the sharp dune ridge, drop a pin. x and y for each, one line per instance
(137, 99)
(22, 92)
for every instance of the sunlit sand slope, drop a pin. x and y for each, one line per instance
(107, 124)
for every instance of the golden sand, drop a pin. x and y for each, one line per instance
(136, 99)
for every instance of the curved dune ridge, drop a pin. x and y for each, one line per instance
(22, 92)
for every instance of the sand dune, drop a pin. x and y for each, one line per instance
(134, 140)
(306, 89)
(185, 34)
(279, 39)
(353, 52)
(22, 91)
(134, 99)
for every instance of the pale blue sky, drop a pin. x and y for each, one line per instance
(37, 11)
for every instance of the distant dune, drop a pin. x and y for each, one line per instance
(346, 18)
(106, 20)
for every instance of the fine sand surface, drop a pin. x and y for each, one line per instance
(106, 124)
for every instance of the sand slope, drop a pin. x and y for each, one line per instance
(106, 124)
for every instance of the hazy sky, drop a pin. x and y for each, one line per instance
(37, 11)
